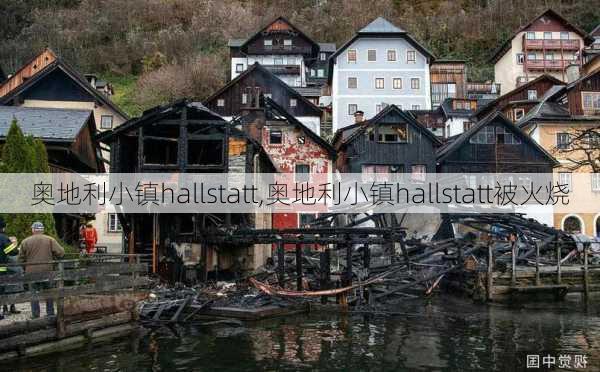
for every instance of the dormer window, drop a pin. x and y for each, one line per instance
(268, 42)
(221, 102)
(322, 56)
(532, 94)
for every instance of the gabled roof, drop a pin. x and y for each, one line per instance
(327, 47)
(380, 27)
(548, 12)
(274, 108)
(449, 111)
(596, 31)
(491, 105)
(456, 142)
(566, 88)
(157, 113)
(281, 19)
(257, 68)
(359, 128)
(49, 124)
(59, 64)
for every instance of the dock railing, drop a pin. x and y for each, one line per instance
(71, 277)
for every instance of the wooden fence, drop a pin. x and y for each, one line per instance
(69, 281)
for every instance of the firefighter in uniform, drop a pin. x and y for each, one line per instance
(8, 254)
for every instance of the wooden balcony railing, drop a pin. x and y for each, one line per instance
(565, 44)
(548, 64)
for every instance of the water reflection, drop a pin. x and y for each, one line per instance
(444, 334)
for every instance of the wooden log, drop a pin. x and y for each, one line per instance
(184, 304)
(558, 271)
(490, 273)
(27, 326)
(299, 284)
(60, 303)
(586, 278)
(36, 337)
(514, 263)
(325, 269)
(280, 263)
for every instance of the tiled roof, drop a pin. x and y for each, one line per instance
(44, 123)
(327, 47)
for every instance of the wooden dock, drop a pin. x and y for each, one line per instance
(95, 297)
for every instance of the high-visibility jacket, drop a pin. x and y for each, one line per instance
(6, 248)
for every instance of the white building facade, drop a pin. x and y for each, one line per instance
(381, 65)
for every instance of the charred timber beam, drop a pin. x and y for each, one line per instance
(299, 267)
(280, 263)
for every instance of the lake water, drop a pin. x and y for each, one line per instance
(441, 334)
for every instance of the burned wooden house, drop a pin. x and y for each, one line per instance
(391, 142)
(187, 137)
(293, 148)
(237, 95)
(494, 145)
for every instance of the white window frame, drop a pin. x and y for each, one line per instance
(293, 102)
(323, 56)
(221, 102)
(244, 98)
(518, 113)
(268, 42)
(531, 94)
(530, 33)
(113, 225)
(595, 181)
(412, 86)
(388, 55)
(563, 33)
(414, 55)
(239, 67)
(102, 126)
(394, 86)
(377, 81)
(566, 178)
(287, 42)
(320, 73)
(368, 55)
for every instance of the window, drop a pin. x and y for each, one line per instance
(397, 83)
(371, 55)
(305, 219)
(352, 108)
(531, 57)
(379, 83)
(564, 35)
(490, 135)
(352, 83)
(322, 56)
(548, 56)
(591, 101)
(520, 58)
(244, 98)
(301, 140)
(396, 133)
(320, 73)
(441, 91)
(287, 42)
(106, 122)
(352, 56)
(572, 225)
(467, 125)
(239, 67)
(302, 172)
(518, 113)
(563, 140)
(411, 56)
(504, 136)
(418, 173)
(221, 102)
(530, 35)
(547, 35)
(268, 42)
(416, 107)
(391, 55)
(114, 225)
(268, 95)
(564, 178)
(596, 182)
(293, 102)
(414, 83)
(278, 60)
(275, 137)
(531, 94)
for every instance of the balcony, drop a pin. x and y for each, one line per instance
(548, 44)
(545, 64)
(278, 49)
(283, 69)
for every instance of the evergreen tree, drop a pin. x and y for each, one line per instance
(21, 154)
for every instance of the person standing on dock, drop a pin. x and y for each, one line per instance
(36, 249)
(90, 237)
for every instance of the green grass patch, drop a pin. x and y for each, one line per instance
(124, 87)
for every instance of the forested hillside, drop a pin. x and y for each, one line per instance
(156, 50)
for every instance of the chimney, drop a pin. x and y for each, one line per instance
(572, 72)
(358, 116)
